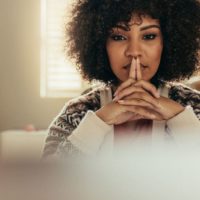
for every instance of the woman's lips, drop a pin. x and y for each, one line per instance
(129, 65)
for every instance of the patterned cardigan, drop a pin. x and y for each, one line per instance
(73, 112)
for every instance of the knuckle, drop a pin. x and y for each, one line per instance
(132, 80)
(149, 113)
(137, 109)
(139, 101)
(141, 95)
(140, 90)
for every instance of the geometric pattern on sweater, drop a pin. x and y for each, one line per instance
(186, 96)
(67, 120)
(74, 111)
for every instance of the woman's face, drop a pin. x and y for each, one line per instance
(143, 41)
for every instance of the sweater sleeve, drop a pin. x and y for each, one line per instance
(186, 97)
(185, 127)
(77, 129)
(89, 135)
(85, 139)
(58, 132)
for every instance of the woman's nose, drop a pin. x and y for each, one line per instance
(133, 49)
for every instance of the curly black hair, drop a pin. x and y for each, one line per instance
(92, 20)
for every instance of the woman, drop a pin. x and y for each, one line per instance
(137, 48)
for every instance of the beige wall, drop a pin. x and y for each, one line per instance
(20, 101)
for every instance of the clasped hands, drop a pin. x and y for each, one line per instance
(138, 99)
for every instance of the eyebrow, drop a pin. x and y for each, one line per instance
(150, 26)
(125, 28)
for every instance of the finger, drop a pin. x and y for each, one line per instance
(143, 97)
(148, 87)
(138, 70)
(128, 91)
(147, 114)
(136, 102)
(132, 72)
(135, 117)
(124, 85)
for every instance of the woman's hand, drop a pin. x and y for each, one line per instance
(137, 99)
(136, 89)
(168, 108)
(165, 109)
(114, 113)
(142, 103)
(135, 82)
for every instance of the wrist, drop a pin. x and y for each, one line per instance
(99, 113)
(179, 108)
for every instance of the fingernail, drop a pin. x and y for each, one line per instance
(158, 94)
(153, 116)
(159, 105)
(121, 101)
(136, 84)
(116, 98)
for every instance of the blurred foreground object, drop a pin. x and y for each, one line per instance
(153, 176)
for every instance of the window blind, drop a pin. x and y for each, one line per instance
(59, 77)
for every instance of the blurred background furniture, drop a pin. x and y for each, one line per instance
(22, 145)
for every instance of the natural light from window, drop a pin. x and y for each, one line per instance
(59, 77)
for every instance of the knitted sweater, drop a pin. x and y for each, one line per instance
(62, 137)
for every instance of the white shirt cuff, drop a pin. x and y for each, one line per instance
(90, 133)
(185, 127)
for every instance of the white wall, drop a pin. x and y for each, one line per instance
(20, 101)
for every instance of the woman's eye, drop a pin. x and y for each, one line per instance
(149, 36)
(117, 37)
